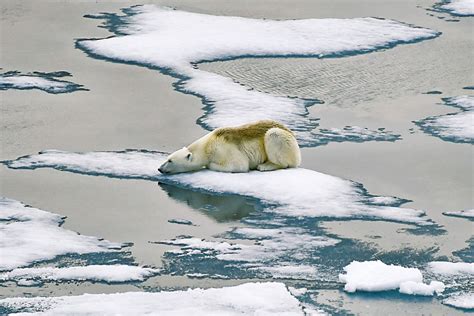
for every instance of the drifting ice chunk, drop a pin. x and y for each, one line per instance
(464, 213)
(293, 192)
(374, 276)
(101, 273)
(38, 80)
(458, 7)
(463, 301)
(451, 268)
(245, 299)
(28, 235)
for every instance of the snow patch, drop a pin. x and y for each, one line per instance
(244, 299)
(463, 213)
(458, 7)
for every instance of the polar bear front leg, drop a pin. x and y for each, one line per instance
(268, 166)
(229, 167)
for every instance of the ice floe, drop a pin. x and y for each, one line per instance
(47, 82)
(374, 276)
(463, 301)
(451, 268)
(28, 235)
(244, 299)
(97, 273)
(457, 7)
(453, 127)
(469, 214)
(174, 41)
(293, 192)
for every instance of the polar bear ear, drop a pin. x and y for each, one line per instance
(189, 156)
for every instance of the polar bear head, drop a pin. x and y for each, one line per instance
(180, 161)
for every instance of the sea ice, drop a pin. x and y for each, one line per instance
(175, 41)
(457, 7)
(469, 214)
(453, 127)
(47, 82)
(374, 276)
(101, 273)
(451, 268)
(293, 192)
(28, 235)
(463, 301)
(245, 299)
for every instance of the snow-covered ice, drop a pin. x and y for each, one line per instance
(175, 41)
(245, 299)
(451, 268)
(457, 7)
(419, 288)
(463, 213)
(28, 235)
(374, 276)
(453, 127)
(462, 300)
(100, 273)
(293, 192)
(47, 82)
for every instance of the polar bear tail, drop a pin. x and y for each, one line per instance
(282, 148)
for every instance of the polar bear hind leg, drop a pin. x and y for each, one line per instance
(282, 150)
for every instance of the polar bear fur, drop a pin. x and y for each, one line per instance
(263, 145)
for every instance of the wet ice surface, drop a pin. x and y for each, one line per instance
(457, 7)
(453, 127)
(175, 48)
(246, 299)
(44, 81)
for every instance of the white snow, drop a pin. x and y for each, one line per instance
(104, 273)
(463, 300)
(31, 81)
(453, 126)
(459, 7)
(28, 235)
(245, 299)
(462, 213)
(292, 192)
(175, 41)
(451, 268)
(418, 288)
(374, 276)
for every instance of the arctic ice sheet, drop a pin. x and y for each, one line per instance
(29, 235)
(245, 299)
(374, 276)
(291, 192)
(114, 273)
(451, 268)
(457, 7)
(453, 127)
(174, 41)
(47, 82)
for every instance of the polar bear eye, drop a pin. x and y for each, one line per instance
(169, 161)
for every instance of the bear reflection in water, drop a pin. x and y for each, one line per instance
(222, 208)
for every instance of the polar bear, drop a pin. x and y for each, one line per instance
(263, 145)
